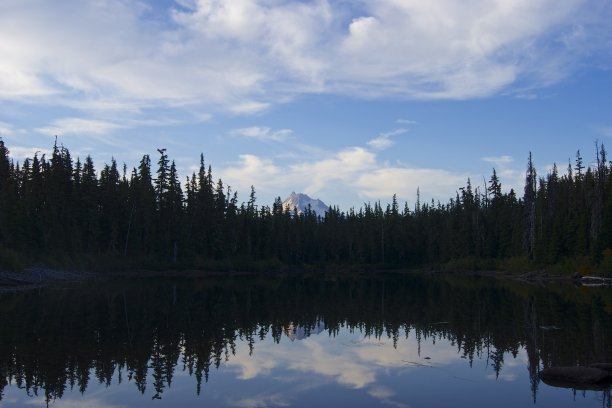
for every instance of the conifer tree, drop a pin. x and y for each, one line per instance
(529, 200)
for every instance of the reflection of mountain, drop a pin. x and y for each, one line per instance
(296, 332)
(52, 339)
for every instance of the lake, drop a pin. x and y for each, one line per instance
(387, 340)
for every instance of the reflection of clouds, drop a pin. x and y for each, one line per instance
(343, 367)
(362, 363)
(252, 367)
(275, 400)
(503, 376)
(384, 395)
(384, 355)
(354, 363)
(512, 367)
(283, 374)
(381, 392)
(68, 403)
(309, 356)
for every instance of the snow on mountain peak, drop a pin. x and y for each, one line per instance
(301, 202)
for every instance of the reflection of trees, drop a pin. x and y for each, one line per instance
(56, 339)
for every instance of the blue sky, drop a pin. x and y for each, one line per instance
(348, 101)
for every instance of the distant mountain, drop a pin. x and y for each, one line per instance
(301, 202)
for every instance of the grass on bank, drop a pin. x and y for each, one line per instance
(521, 264)
(11, 260)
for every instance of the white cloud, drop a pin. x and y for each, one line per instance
(263, 133)
(354, 170)
(432, 183)
(252, 170)
(443, 49)
(20, 153)
(383, 140)
(510, 176)
(311, 177)
(244, 56)
(343, 167)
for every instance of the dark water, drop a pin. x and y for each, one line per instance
(392, 340)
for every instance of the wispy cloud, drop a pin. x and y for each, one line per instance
(78, 126)
(405, 122)
(247, 108)
(529, 96)
(605, 131)
(95, 129)
(384, 141)
(499, 161)
(9, 131)
(263, 133)
(6, 129)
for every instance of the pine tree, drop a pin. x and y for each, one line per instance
(88, 210)
(175, 208)
(529, 200)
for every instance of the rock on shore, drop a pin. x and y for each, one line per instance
(596, 376)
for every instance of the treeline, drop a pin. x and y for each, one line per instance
(56, 209)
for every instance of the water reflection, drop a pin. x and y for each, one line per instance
(300, 341)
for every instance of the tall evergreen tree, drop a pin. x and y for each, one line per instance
(529, 200)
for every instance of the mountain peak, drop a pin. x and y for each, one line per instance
(301, 202)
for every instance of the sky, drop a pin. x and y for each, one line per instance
(347, 101)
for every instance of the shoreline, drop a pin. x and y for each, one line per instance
(39, 277)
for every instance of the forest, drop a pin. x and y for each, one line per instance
(60, 212)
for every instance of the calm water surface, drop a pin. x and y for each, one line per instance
(392, 340)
